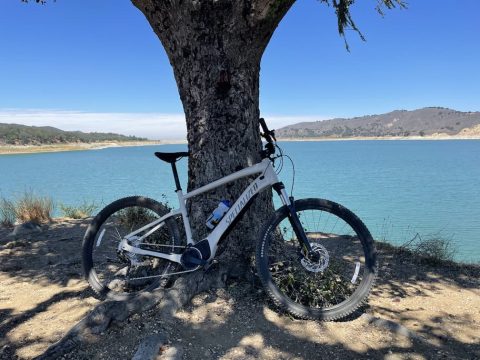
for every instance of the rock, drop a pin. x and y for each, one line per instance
(27, 228)
(148, 349)
(172, 353)
(5, 352)
(15, 244)
(11, 266)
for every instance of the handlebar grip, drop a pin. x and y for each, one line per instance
(263, 124)
(267, 134)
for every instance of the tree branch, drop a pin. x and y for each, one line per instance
(344, 17)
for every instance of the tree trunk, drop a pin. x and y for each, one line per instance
(221, 107)
(215, 48)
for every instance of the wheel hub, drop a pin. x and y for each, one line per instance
(320, 263)
(135, 259)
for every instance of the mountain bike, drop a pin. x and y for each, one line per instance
(315, 258)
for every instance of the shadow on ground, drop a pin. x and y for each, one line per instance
(439, 303)
(51, 257)
(435, 303)
(43, 293)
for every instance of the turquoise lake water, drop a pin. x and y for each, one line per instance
(398, 188)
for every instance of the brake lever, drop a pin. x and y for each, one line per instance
(272, 134)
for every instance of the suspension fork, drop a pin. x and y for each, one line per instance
(289, 202)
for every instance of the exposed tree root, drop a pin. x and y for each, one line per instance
(168, 301)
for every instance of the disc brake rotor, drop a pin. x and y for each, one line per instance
(316, 265)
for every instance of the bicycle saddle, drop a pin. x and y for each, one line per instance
(171, 157)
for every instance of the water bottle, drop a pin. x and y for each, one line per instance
(217, 214)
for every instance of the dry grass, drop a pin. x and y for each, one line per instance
(28, 207)
(7, 212)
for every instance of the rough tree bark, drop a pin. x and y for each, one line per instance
(215, 48)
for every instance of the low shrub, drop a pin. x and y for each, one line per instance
(133, 217)
(432, 249)
(81, 211)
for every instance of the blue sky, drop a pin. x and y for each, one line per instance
(96, 65)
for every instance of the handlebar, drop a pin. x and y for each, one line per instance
(269, 135)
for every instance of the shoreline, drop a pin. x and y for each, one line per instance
(384, 138)
(34, 149)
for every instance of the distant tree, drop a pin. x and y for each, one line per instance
(33, 135)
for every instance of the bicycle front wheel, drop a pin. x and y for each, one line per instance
(335, 282)
(119, 274)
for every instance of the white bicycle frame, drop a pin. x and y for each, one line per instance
(267, 177)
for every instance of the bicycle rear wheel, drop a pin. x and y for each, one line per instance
(330, 286)
(119, 274)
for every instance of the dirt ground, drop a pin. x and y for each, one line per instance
(43, 294)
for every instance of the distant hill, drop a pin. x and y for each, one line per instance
(14, 134)
(398, 123)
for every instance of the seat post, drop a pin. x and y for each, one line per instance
(175, 176)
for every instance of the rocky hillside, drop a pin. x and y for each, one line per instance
(14, 134)
(399, 123)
